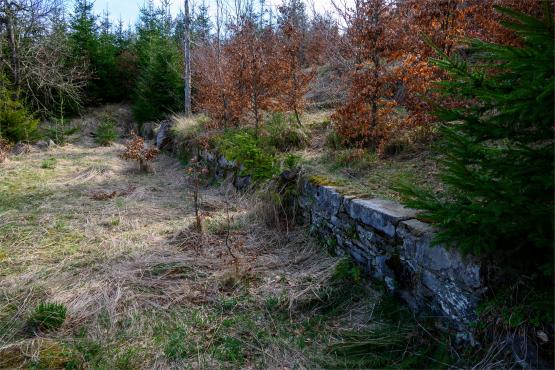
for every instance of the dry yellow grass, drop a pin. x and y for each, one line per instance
(133, 276)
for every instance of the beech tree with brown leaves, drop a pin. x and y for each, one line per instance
(365, 118)
(254, 66)
(295, 78)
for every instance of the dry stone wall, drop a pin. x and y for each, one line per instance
(389, 242)
(394, 247)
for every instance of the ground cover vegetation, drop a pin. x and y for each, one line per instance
(445, 105)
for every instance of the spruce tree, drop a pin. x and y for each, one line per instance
(497, 149)
(84, 40)
(97, 45)
(159, 88)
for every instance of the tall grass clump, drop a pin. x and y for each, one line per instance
(284, 134)
(47, 316)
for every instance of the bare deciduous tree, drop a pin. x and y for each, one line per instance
(38, 59)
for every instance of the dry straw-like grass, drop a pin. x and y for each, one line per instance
(126, 265)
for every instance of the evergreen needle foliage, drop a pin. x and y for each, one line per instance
(106, 133)
(497, 151)
(16, 123)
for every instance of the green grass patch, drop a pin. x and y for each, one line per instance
(49, 163)
(47, 316)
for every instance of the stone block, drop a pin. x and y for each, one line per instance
(416, 237)
(383, 215)
(370, 238)
(449, 299)
(328, 201)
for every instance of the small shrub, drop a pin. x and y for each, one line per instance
(136, 150)
(49, 163)
(334, 141)
(106, 133)
(245, 148)
(16, 123)
(5, 148)
(284, 134)
(347, 272)
(47, 316)
(58, 129)
(291, 162)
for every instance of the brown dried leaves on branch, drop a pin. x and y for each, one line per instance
(5, 148)
(137, 150)
(390, 49)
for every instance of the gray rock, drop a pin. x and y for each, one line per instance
(163, 137)
(417, 246)
(21, 148)
(327, 200)
(370, 238)
(43, 144)
(226, 164)
(381, 214)
(383, 271)
(207, 155)
(342, 222)
(148, 130)
(242, 182)
(526, 354)
(450, 300)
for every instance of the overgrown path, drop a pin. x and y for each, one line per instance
(81, 227)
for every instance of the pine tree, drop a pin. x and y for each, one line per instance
(159, 88)
(200, 25)
(497, 151)
(105, 62)
(84, 40)
(16, 123)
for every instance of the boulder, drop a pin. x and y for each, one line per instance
(21, 148)
(163, 136)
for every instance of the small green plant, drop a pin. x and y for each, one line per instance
(230, 349)
(49, 163)
(245, 148)
(106, 133)
(58, 128)
(291, 162)
(346, 271)
(177, 346)
(47, 316)
(284, 134)
(16, 123)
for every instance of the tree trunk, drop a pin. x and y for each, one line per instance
(297, 116)
(187, 58)
(12, 45)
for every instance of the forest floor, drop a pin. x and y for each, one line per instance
(81, 227)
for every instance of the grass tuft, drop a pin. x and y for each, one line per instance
(47, 316)
(49, 163)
